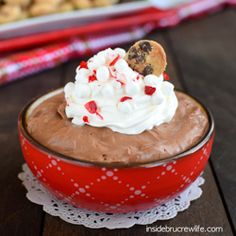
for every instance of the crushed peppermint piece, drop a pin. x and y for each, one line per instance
(121, 82)
(112, 72)
(113, 62)
(149, 90)
(125, 98)
(83, 64)
(99, 115)
(166, 77)
(92, 78)
(91, 107)
(85, 119)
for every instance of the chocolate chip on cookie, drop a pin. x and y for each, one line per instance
(133, 52)
(147, 57)
(147, 70)
(136, 55)
(145, 46)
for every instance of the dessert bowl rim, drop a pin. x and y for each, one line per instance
(153, 163)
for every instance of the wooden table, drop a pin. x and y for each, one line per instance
(201, 61)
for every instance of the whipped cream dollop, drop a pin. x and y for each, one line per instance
(108, 93)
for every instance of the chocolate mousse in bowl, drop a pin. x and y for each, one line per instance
(118, 138)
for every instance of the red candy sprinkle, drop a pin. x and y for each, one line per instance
(125, 98)
(92, 78)
(85, 119)
(91, 106)
(112, 72)
(100, 116)
(166, 77)
(149, 90)
(113, 62)
(83, 64)
(121, 82)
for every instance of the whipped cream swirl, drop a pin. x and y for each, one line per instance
(108, 93)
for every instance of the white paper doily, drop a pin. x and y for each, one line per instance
(39, 195)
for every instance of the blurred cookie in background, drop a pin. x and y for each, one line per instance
(14, 10)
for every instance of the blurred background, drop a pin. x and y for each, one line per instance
(36, 35)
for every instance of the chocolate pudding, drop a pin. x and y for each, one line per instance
(49, 125)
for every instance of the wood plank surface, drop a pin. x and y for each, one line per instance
(206, 54)
(18, 216)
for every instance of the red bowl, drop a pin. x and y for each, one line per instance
(113, 188)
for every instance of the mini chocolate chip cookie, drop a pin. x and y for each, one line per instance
(147, 57)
